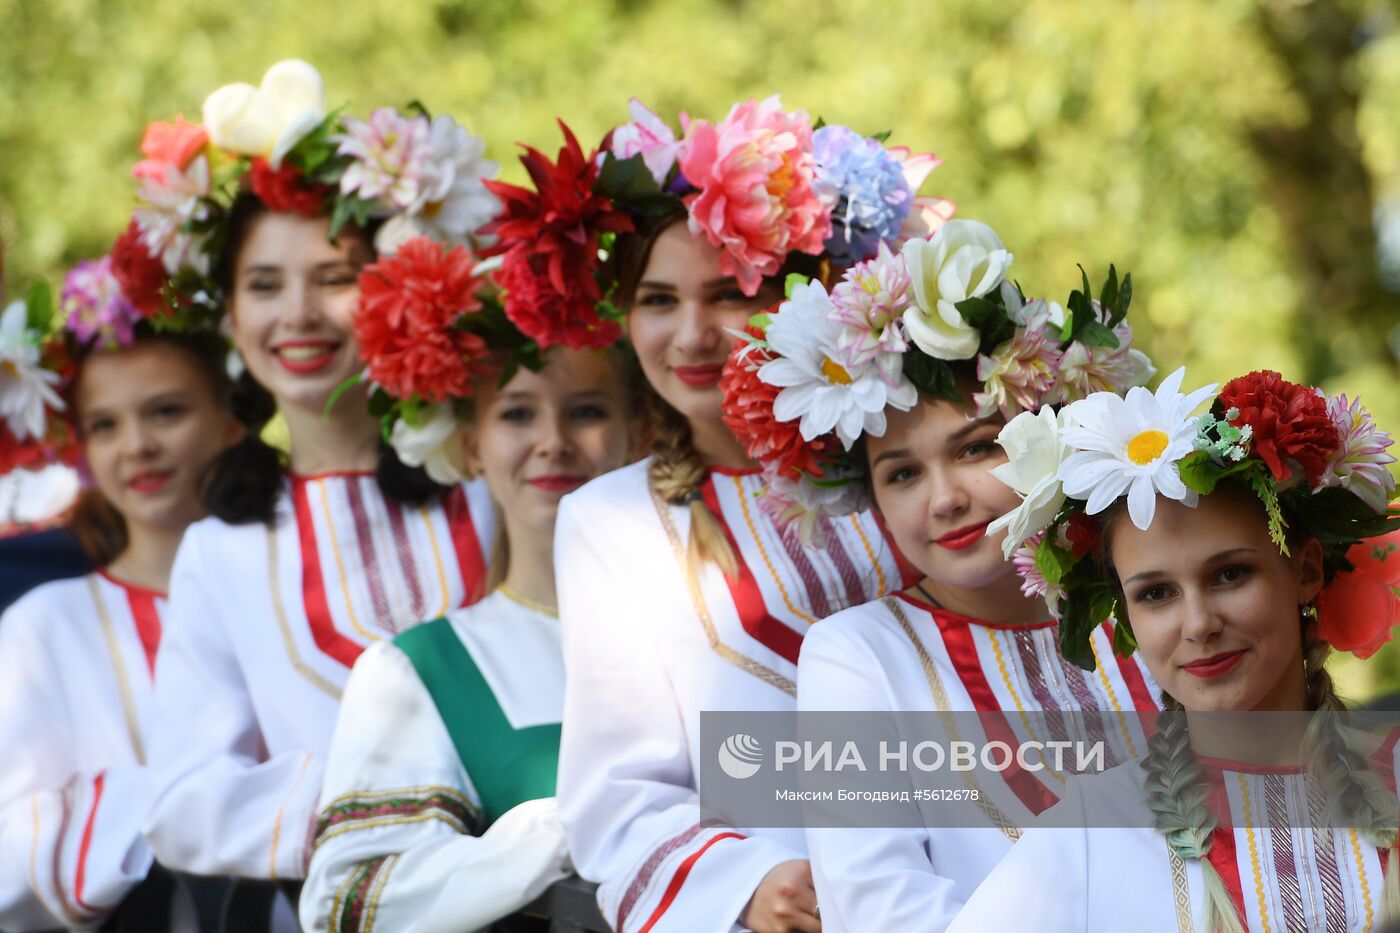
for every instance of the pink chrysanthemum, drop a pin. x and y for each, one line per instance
(1019, 375)
(1033, 582)
(1085, 370)
(1360, 462)
(868, 302)
(172, 202)
(754, 171)
(390, 154)
(95, 310)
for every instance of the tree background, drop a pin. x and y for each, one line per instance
(1240, 157)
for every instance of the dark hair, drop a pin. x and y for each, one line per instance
(247, 479)
(100, 528)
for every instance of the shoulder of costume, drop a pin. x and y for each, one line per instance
(624, 490)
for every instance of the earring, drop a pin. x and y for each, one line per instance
(1308, 612)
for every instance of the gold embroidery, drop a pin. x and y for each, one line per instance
(437, 562)
(288, 641)
(340, 564)
(1181, 893)
(281, 812)
(763, 552)
(870, 553)
(109, 633)
(530, 604)
(944, 708)
(379, 883)
(746, 664)
(1361, 873)
(1113, 698)
(1253, 853)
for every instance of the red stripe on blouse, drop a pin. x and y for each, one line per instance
(147, 618)
(86, 843)
(678, 879)
(748, 598)
(313, 586)
(470, 561)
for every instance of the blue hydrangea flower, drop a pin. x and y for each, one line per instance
(866, 185)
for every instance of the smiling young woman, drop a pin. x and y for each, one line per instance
(1241, 548)
(311, 556)
(151, 411)
(678, 593)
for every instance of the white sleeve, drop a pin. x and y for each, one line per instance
(1045, 877)
(867, 878)
(393, 845)
(627, 794)
(221, 805)
(70, 845)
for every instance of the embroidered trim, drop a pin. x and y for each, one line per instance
(288, 641)
(1249, 825)
(1181, 893)
(745, 664)
(349, 907)
(340, 565)
(109, 634)
(1113, 698)
(643, 877)
(870, 553)
(281, 812)
(395, 807)
(1361, 873)
(763, 553)
(940, 700)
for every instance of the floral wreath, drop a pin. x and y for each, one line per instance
(765, 182)
(1317, 459)
(420, 176)
(808, 379)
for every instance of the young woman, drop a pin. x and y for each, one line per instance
(152, 410)
(1217, 559)
(438, 808)
(308, 560)
(963, 637)
(677, 592)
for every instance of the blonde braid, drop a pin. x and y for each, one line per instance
(1356, 797)
(676, 472)
(1176, 795)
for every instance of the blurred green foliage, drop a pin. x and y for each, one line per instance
(1235, 155)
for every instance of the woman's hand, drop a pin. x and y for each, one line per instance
(785, 901)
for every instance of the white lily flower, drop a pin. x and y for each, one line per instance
(963, 259)
(1034, 448)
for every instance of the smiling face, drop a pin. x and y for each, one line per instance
(930, 474)
(1214, 604)
(546, 433)
(292, 306)
(678, 317)
(150, 425)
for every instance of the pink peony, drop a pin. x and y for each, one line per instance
(754, 171)
(169, 144)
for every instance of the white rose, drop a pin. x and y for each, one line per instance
(434, 444)
(1034, 451)
(964, 259)
(270, 119)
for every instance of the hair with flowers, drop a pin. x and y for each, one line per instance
(810, 378)
(1317, 463)
(413, 174)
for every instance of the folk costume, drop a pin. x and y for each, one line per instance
(648, 645)
(893, 329)
(438, 809)
(266, 620)
(1236, 845)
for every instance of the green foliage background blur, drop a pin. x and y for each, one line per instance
(1240, 157)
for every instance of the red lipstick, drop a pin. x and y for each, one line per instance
(1215, 665)
(706, 375)
(960, 539)
(557, 483)
(150, 481)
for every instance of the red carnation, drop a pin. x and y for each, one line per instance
(549, 240)
(1289, 421)
(748, 414)
(1082, 532)
(141, 275)
(287, 190)
(28, 454)
(405, 325)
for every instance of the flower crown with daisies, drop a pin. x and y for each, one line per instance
(1314, 459)
(419, 176)
(808, 379)
(765, 182)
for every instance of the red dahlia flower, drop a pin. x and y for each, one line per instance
(1289, 421)
(549, 241)
(405, 325)
(748, 414)
(141, 275)
(287, 190)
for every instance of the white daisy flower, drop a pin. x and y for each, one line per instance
(1131, 444)
(816, 388)
(26, 388)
